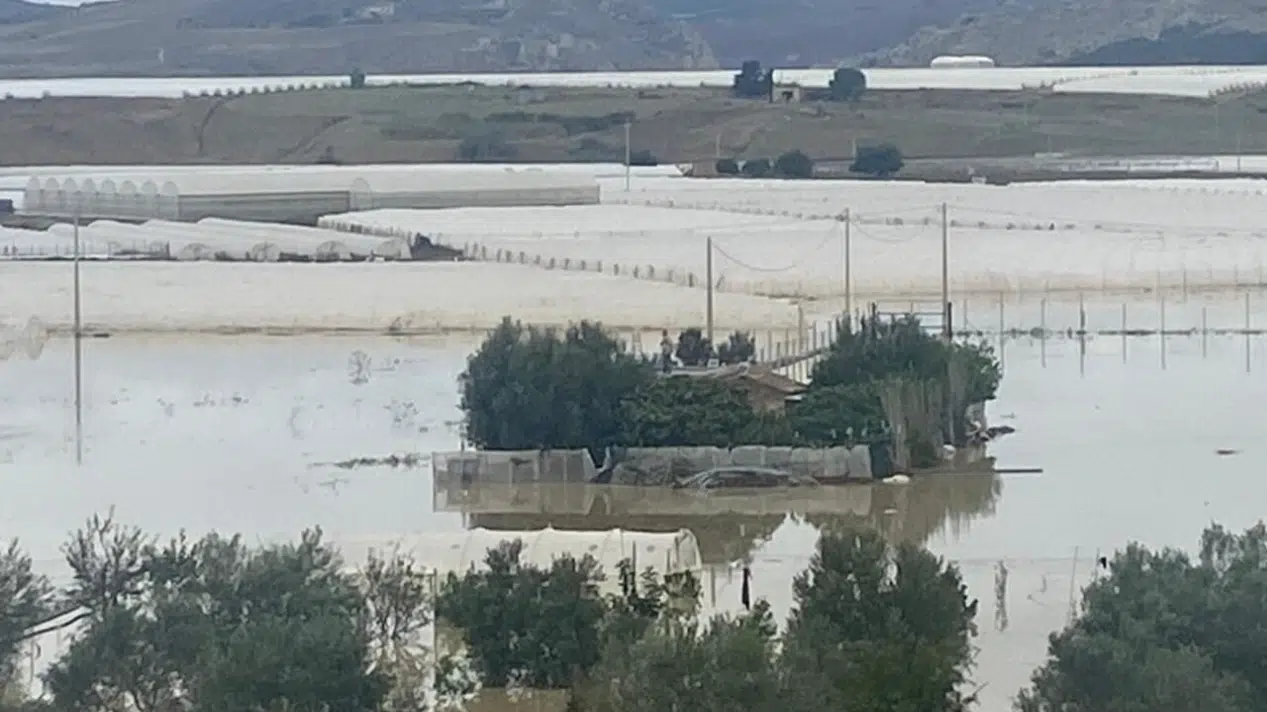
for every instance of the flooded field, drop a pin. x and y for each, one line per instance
(239, 434)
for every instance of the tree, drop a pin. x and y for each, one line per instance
(727, 167)
(693, 348)
(756, 168)
(528, 388)
(511, 613)
(880, 349)
(833, 415)
(643, 157)
(546, 628)
(26, 603)
(687, 411)
(739, 348)
(753, 83)
(794, 164)
(877, 630)
(880, 161)
(847, 84)
(213, 624)
(724, 665)
(1162, 632)
(356, 79)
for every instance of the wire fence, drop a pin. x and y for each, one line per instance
(820, 253)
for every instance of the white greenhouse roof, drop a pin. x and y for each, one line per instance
(271, 180)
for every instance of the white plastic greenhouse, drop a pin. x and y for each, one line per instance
(16, 243)
(298, 195)
(665, 552)
(484, 188)
(217, 239)
(329, 244)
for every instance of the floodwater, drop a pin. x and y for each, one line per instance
(232, 434)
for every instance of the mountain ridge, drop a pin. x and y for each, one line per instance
(307, 37)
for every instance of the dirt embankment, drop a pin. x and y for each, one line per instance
(432, 124)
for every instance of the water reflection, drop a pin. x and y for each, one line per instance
(732, 525)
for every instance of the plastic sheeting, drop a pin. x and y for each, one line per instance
(212, 239)
(834, 463)
(456, 552)
(298, 194)
(513, 467)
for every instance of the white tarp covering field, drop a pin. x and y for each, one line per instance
(788, 238)
(1177, 81)
(404, 297)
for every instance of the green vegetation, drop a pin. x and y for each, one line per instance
(794, 164)
(881, 161)
(753, 82)
(398, 124)
(847, 84)
(847, 645)
(213, 624)
(1164, 632)
(528, 388)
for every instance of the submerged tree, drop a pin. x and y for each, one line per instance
(212, 624)
(1164, 632)
(528, 388)
(876, 629)
(26, 603)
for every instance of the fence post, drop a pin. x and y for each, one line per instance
(1123, 332)
(1205, 332)
(1249, 347)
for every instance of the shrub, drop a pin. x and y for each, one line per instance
(847, 84)
(643, 157)
(794, 164)
(727, 167)
(356, 79)
(880, 161)
(756, 168)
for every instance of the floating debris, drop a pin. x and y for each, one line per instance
(408, 460)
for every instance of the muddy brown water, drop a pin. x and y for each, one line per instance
(223, 433)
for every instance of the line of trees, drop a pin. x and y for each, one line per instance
(530, 388)
(754, 82)
(213, 624)
(882, 160)
(791, 165)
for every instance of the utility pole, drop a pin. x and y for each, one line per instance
(947, 327)
(79, 352)
(847, 219)
(708, 275)
(628, 153)
(717, 147)
(945, 275)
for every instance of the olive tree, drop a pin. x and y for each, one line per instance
(27, 604)
(877, 629)
(214, 624)
(1162, 631)
(529, 388)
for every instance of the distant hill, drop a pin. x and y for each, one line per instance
(166, 37)
(1098, 32)
(16, 11)
(811, 32)
(279, 37)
